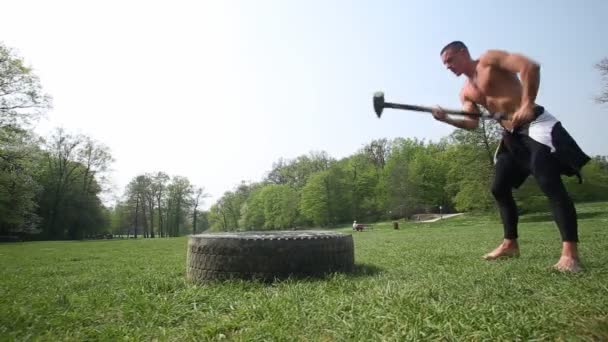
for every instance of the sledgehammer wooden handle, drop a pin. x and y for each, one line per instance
(427, 109)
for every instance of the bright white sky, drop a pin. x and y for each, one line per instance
(217, 91)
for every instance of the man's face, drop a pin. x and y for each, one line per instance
(454, 60)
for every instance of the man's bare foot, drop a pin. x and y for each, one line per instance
(507, 249)
(569, 261)
(568, 264)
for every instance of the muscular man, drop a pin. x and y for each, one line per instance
(534, 142)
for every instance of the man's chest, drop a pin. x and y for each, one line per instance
(490, 86)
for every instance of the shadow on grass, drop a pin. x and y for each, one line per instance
(545, 217)
(364, 270)
(358, 271)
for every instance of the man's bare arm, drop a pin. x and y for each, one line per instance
(529, 71)
(465, 122)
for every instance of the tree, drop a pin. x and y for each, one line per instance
(120, 223)
(159, 184)
(19, 188)
(295, 173)
(228, 211)
(139, 194)
(469, 178)
(428, 169)
(96, 159)
(377, 152)
(217, 217)
(58, 179)
(315, 200)
(203, 221)
(602, 66)
(21, 101)
(325, 199)
(199, 195)
(402, 183)
(179, 192)
(68, 172)
(21, 95)
(280, 204)
(362, 177)
(484, 139)
(252, 211)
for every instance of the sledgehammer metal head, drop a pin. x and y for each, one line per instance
(379, 103)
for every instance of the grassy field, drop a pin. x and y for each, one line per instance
(424, 281)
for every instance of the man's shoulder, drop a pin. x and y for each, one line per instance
(490, 57)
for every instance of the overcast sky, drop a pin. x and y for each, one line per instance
(217, 91)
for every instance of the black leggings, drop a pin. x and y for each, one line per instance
(543, 165)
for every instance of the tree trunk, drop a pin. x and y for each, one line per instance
(194, 221)
(224, 219)
(136, 218)
(151, 211)
(167, 221)
(144, 217)
(160, 217)
(177, 211)
(329, 204)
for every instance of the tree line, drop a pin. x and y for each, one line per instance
(385, 180)
(49, 186)
(157, 205)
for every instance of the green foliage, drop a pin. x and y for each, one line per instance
(19, 155)
(252, 212)
(363, 173)
(296, 172)
(471, 167)
(602, 66)
(395, 179)
(280, 203)
(325, 198)
(179, 191)
(21, 95)
(119, 218)
(227, 213)
(315, 200)
(594, 188)
(595, 181)
(157, 205)
(21, 101)
(69, 204)
(402, 178)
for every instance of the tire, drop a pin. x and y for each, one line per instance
(268, 255)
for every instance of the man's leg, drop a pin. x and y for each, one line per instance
(545, 168)
(507, 172)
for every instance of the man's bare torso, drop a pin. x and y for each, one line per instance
(498, 90)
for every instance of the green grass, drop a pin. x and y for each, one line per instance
(424, 281)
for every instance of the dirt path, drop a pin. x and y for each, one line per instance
(445, 216)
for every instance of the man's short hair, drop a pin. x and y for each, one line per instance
(456, 45)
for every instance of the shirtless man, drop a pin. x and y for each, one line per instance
(529, 142)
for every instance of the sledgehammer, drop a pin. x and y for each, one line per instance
(380, 104)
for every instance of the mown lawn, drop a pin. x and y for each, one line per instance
(424, 281)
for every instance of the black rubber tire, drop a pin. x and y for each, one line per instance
(268, 255)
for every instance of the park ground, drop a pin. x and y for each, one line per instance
(425, 281)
